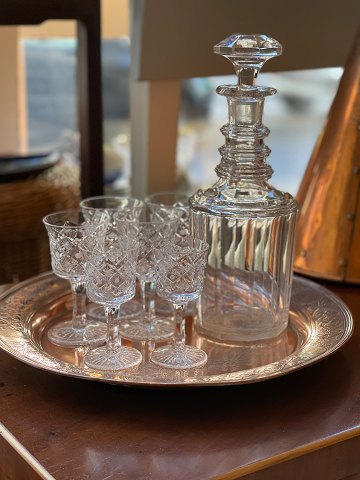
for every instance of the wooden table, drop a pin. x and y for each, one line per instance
(301, 426)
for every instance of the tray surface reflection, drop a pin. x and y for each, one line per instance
(319, 324)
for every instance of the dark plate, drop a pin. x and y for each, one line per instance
(24, 166)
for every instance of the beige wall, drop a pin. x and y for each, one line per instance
(114, 23)
(12, 94)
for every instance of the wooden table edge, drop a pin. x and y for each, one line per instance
(23, 453)
(290, 455)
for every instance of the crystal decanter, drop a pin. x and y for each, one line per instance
(249, 225)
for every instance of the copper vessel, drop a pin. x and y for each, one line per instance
(328, 231)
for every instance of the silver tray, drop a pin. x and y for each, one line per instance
(319, 324)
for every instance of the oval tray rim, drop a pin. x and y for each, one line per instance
(38, 358)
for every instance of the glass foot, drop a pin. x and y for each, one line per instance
(65, 335)
(179, 358)
(131, 309)
(139, 330)
(103, 359)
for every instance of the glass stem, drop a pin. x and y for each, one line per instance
(179, 337)
(113, 340)
(78, 289)
(148, 300)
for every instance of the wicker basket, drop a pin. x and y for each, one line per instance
(24, 245)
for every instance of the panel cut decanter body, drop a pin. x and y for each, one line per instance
(249, 225)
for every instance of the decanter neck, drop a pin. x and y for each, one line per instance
(246, 74)
(244, 154)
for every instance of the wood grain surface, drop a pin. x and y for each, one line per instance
(303, 425)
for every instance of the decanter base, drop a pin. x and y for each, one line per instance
(217, 332)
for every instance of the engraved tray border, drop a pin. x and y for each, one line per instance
(331, 326)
